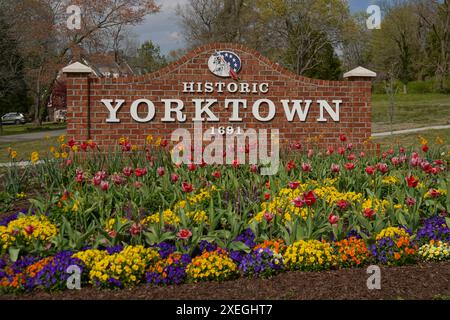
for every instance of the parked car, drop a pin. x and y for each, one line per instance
(60, 115)
(14, 118)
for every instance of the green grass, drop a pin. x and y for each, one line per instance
(25, 148)
(411, 111)
(412, 139)
(30, 128)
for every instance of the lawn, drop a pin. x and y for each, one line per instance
(25, 148)
(30, 128)
(411, 111)
(412, 139)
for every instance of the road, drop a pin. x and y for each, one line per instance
(385, 134)
(31, 136)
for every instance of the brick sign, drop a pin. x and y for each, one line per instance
(230, 88)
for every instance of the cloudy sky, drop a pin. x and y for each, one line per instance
(163, 28)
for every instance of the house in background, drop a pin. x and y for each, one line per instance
(103, 66)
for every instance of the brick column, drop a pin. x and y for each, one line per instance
(77, 100)
(362, 78)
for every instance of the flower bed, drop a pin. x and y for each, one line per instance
(133, 217)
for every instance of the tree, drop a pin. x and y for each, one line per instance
(149, 58)
(45, 46)
(304, 31)
(13, 94)
(207, 21)
(435, 15)
(396, 46)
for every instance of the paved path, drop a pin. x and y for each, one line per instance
(385, 134)
(31, 136)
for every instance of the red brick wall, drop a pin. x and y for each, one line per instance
(355, 110)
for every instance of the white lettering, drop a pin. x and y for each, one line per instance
(256, 107)
(112, 118)
(200, 110)
(134, 110)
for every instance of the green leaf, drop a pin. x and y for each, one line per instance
(14, 254)
(239, 246)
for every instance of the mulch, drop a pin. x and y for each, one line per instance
(421, 281)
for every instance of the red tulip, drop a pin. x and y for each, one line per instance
(135, 229)
(298, 202)
(335, 168)
(342, 204)
(342, 137)
(369, 213)
(84, 146)
(140, 172)
(330, 151)
(290, 165)
(127, 171)
(235, 164)
(370, 170)
(349, 166)
(310, 198)
(126, 146)
(349, 146)
(306, 167)
(184, 234)
(191, 166)
(412, 181)
(268, 216)
(29, 229)
(382, 167)
(351, 157)
(174, 177)
(362, 154)
(434, 193)
(187, 187)
(294, 185)
(117, 179)
(402, 150)
(160, 171)
(96, 180)
(112, 234)
(104, 185)
(395, 161)
(333, 219)
(266, 196)
(138, 184)
(71, 143)
(425, 148)
(410, 202)
(217, 174)
(164, 143)
(296, 146)
(254, 168)
(341, 151)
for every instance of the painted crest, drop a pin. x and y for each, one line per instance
(225, 64)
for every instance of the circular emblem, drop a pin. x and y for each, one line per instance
(225, 64)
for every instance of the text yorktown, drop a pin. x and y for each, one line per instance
(263, 110)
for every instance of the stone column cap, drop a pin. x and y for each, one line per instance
(77, 67)
(360, 72)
